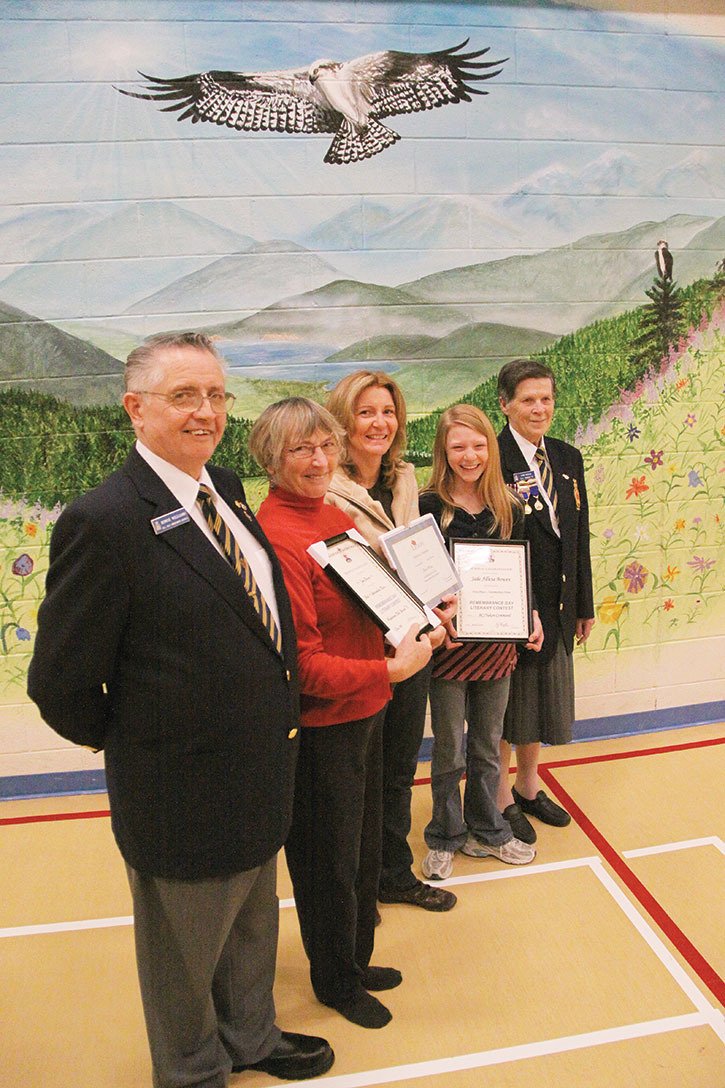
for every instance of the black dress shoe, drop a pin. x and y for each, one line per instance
(543, 808)
(420, 895)
(295, 1057)
(518, 823)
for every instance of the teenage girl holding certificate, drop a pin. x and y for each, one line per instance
(468, 498)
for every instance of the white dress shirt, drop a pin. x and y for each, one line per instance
(528, 449)
(185, 489)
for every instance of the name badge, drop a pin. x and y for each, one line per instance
(168, 521)
(524, 481)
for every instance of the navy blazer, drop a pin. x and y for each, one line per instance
(149, 647)
(561, 569)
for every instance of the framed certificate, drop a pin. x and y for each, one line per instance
(418, 554)
(494, 603)
(353, 564)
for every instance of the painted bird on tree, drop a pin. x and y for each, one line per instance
(347, 98)
(663, 260)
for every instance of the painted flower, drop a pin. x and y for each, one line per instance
(693, 478)
(690, 420)
(23, 565)
(633, 432)
(636, 487)
(610, 610)
(668, 605)
(679, 524)
(681, 383)
(22, 634)
(697, 521)
(598, 475)
(699, 563)
(31, 529)
(717, 519)
(608, 534)
(672, 468)
(635, 576)
(656, 457)
(670, 574)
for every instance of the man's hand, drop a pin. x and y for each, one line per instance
(536, 638)
(410, 656)
(583, 630)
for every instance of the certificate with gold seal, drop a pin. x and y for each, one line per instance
(494, 603)
(360, 571)
(418, 554)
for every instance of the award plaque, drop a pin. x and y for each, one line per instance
(494, 604)
(418, 554)
(353, 564)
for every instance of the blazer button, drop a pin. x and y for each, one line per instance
(292, 733)
(288, 674)
(563, 577)
(561, 607)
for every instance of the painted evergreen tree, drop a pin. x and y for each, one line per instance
(662, 323)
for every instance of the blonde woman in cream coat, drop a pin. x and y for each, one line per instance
(379, 492)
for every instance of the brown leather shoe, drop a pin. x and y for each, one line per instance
(420, 895)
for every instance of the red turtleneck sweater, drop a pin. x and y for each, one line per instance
(343, 675)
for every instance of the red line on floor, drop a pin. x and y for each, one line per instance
(672, 931)
(50, 817)
(580, 761)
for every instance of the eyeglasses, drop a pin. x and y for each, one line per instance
(306, 451)
(191, 400)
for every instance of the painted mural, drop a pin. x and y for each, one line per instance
(463, 184)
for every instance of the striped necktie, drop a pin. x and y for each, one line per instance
(234, 555)
(547, 477)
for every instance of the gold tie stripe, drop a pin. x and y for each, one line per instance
(547, 477)
(235, 556)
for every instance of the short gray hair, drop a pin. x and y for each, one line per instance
(287, 423)
(520, 370)
(143, 366)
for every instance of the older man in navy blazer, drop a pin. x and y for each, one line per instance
(548, 475)
(152, 646)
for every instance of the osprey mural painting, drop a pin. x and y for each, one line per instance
(348, 98)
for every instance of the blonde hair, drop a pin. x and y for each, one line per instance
(341, 402)
(287, 423)
(490, 487)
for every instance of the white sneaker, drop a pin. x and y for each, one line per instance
(438, 864)
(513, 852)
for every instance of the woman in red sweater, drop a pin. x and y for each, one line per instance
(333, 851)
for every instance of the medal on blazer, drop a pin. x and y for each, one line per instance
(245, 509)
(526, 488)
(577, 497)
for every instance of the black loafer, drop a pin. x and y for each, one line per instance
(295, 1057)
(420, 895)
(518, 823)
(543, 808)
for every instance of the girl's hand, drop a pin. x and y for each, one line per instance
(446, 610)
(536, 639)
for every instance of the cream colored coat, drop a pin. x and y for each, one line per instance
(368, 514)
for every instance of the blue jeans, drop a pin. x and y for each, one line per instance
(482, 703)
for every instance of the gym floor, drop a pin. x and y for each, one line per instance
(600, 965)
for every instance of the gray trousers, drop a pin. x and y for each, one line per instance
(482, 703)
(206, 952)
